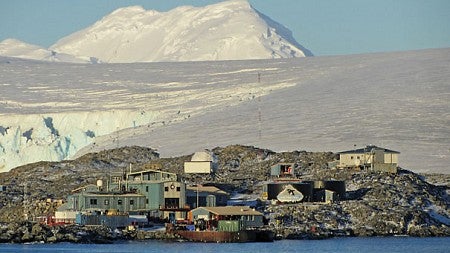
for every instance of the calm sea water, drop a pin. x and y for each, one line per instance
(348, 245)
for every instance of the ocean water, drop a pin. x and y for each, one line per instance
(348, 245)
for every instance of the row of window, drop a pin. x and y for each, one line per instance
(94, 202)
(172, 187)
(248, 217)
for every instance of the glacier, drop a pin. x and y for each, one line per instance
(57, 136)
(401, 101)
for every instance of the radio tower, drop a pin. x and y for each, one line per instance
(259, 109)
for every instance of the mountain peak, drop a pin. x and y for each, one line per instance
(229, 30)
(129, 9)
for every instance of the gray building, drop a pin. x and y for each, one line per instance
(200, 195)
(155, 193)
(90, 198)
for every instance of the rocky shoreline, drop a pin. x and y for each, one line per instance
(28, 232)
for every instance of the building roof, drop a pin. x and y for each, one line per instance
(87, 188)
(150, 171)
(231, 210)
(368, 149)
(207, 189)
(112, 194)
(204, 156)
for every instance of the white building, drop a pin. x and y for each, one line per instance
(204, 162)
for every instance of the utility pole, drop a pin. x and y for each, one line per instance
(259, 108)
(25, 208)
(197, 197)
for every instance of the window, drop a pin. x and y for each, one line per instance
(172, 203)
(93, 202)
(146, 189)
(178, 188)
(146, 201)
(166, 188)
(106, 202)
(351, 157)
(119, 202)
(131, 202)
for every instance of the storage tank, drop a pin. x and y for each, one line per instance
(211, 200)
(319, 184)
(100, 184)
(306, 189)
(273, 189)
(336, 186)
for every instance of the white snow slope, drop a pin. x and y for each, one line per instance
(20, 49)
(401, 101)
(229, 30)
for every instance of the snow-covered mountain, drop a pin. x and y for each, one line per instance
(400, 101)
(20, 49)
(229, 30)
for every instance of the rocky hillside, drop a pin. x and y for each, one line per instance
(376, 203)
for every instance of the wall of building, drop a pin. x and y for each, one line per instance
(175, 190)
(198, 167)
(65, 216)
(153, 191)
(112, 221)
(391, 158)
(385, 167)
(246, 220)
(121, 202)
(349, 160)
(252, 220)
(191, 199)
(153, 176)
(282, 169)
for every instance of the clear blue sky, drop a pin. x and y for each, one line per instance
(326, 27)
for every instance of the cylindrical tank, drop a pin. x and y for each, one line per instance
(99, 183)
(319, 184)
(211, 200)
(336, 186)
(306, 189)
(273, 189)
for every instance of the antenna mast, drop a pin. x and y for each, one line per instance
(259, 108)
